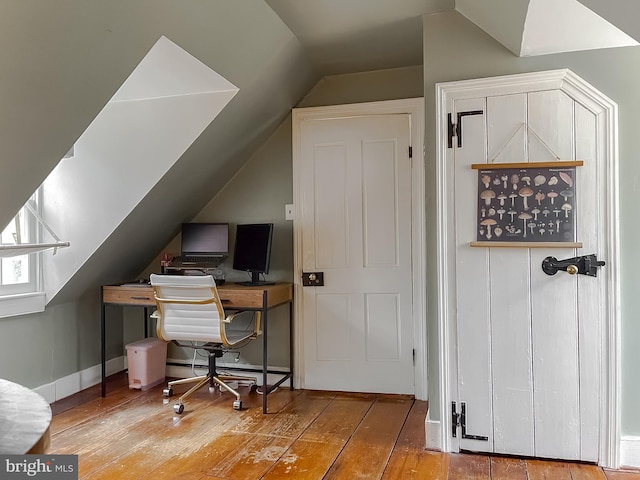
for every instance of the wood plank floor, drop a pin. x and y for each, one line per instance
(307, 435)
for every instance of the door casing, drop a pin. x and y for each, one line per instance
(415, 108)
(605, 111)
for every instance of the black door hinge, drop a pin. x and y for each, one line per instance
(455, 129)
(460, 420)
(410, 152)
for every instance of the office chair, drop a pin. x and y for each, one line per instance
(190, 310)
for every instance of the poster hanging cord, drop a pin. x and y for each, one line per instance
(529, 130)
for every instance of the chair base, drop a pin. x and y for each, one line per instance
(212, 379)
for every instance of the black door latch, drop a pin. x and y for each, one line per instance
(313, 279)
(584, 265)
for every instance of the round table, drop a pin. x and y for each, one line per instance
(25, 418)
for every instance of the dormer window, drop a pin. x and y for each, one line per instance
(21, 242)
(18, 273)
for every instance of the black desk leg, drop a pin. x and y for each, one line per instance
(103, 353)
(265, 388)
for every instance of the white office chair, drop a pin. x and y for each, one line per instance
(190, 310)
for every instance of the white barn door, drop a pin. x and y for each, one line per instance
(355, 219)
(527, 347)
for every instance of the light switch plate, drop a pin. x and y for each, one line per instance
(288, 211)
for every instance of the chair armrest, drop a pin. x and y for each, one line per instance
(257, 316)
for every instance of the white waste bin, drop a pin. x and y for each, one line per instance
(146, 360)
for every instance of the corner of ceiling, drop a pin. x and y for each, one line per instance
(556, 26)
(504, 20)
(543, 27)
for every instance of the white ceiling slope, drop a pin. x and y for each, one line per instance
(167, 71)
(621, 13)
(155, 116)
(502, 19)
(555, 26)
(542, 27)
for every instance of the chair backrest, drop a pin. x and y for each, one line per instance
(189, 308)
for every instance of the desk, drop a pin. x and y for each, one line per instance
(234, 297)
(25, 418)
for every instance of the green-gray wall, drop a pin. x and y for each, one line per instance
(455, 49)
(262, 188)
(38, 349)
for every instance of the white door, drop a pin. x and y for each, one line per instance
(527, 353)
(355, 218)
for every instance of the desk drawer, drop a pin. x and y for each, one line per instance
(128, 296)
(234, 296)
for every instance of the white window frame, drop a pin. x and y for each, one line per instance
(29, 297)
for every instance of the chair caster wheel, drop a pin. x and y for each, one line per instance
(178, 408)
(167, 392)
(253, 387)
(212, 389)
(237, 405)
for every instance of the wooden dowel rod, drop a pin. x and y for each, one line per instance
(528, 165)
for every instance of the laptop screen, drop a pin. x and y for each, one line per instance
(205, 239)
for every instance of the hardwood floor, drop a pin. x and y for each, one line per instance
(310, 435)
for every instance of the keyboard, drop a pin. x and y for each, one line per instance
(196, 259)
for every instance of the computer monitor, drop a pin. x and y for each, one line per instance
(252, 251)
(205, 240)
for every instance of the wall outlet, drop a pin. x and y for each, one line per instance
(288, 211)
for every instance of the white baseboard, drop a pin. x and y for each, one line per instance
(65, 386)
(432, 433)
(630, 452)
(74, 383)
(185, 370)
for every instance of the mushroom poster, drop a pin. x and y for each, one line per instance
(527, 203)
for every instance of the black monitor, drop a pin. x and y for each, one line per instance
(252, 251)
(205, 239)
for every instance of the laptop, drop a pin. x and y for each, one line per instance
(204, 243)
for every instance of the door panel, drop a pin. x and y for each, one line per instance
(590, 293)
(473, 282)
(511, 355)
(554, 299)
(356, 217)
(527, 347)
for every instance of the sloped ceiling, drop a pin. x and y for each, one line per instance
(62, 60)
(358, 36)
(542, 27)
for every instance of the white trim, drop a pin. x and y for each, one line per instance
(21, 304)
(606, 114)
(630, 452)
(433, 433)
(185, 370)
(76, 382)
(415, 108)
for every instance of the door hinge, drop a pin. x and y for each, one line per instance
(460, 420)
(455, 129)
(414, 357)
(410, 152)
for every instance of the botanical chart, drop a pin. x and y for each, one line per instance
(526, 203)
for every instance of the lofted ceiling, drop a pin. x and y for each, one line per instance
(364, 35)
(62, 60)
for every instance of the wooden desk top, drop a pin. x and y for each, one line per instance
(231, 294)
(25, 418)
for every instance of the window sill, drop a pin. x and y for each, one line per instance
(22, 304)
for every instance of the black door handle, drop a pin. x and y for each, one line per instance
(584, 265)
(313, 279)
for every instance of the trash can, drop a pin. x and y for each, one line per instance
(146, 360)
